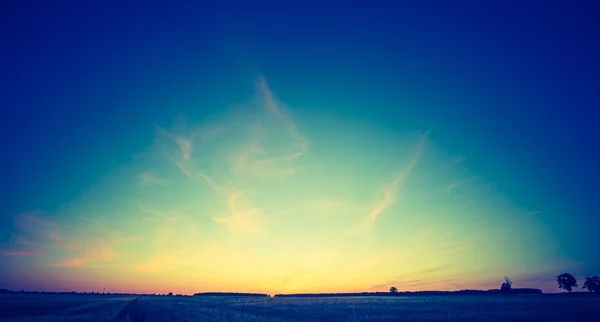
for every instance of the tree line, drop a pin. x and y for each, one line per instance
(568, 282)
(565, 281)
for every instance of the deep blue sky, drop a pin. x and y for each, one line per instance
(512, 85)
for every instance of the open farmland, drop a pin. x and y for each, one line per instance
(60, 307)
(17, 307)
(419, 308)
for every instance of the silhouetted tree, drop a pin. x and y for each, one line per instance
(170, 294)
(507, 285)
(592, 284)
(393, 289)
(566, 281)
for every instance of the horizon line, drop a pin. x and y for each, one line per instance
(514, 290)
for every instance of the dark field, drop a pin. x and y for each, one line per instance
(546, 307)
(50, 307)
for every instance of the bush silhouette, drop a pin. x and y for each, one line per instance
(393, 289)
(507, 285)
(566, 281)
(592, 284)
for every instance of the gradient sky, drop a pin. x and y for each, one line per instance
(154, 147)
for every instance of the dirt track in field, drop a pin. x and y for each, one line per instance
(130, 313)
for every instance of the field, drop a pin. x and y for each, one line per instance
(18, 307)
(51, 307)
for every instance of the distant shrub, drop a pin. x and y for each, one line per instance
(393, 289)
(566, 281)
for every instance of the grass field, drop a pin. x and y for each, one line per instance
(51, 307)
(421, 308)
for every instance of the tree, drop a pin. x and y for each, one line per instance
(566, 281)
(507, 285)
(393, 289)
(592, 284)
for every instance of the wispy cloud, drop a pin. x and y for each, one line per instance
(185, 146)
(148, 178)
(253, 158)
(92, 256)
(425, 280)
(390, 191)
(277, 110)
(533, 213)
(36, 234)
(163, 262)
(461, 182)
(241, 219)
(414, 284)
(258, 147)
(435, 269)
(325, 207)
(182, 158)
(446, 242)
(99, 249)
(20, 252)
(171, 241)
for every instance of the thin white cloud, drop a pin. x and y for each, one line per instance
(276, 110)
(390, 192)
(533, 213)
(248, 141)
(458, 183)
(172, 238)
(89, 256)
(241, 219)
(182, 159)
(20, 252)
(36, 234)
(148, 178)
(185, 147)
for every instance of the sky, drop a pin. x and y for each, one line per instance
(316, 147)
